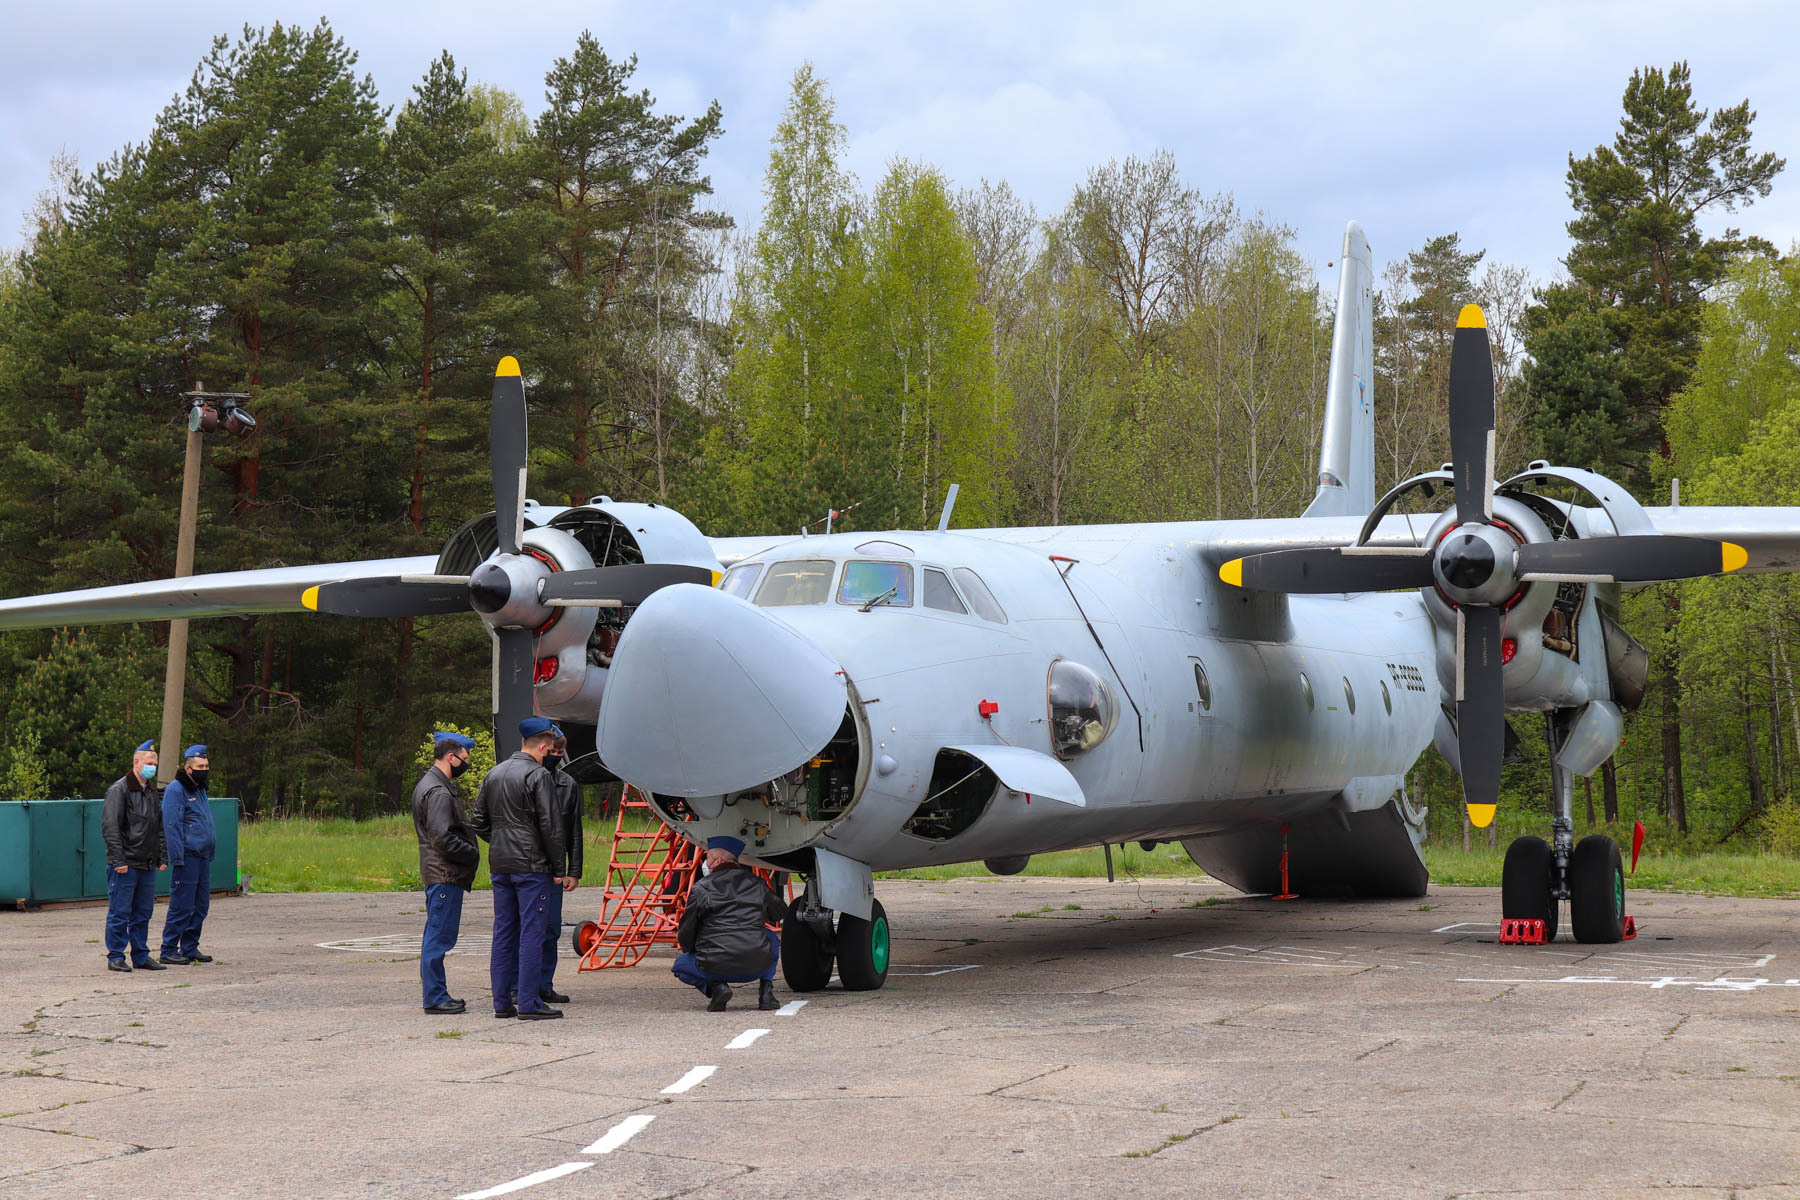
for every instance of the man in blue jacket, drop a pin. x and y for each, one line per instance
(188, 829)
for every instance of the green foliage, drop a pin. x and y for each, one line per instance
(1781, 828)
(85, 703)
(26, 777)
(481, 758)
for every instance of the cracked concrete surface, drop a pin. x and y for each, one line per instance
(1160, 1039)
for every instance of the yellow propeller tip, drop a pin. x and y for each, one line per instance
(1471, 317)
(508, 368)
(310, 598)
(1233, 572)
(1481, 815)
(717, 575)
(1733, 555)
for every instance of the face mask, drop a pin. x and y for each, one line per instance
(458, 768)
(552, 761)
(148, 771)
(199, 778)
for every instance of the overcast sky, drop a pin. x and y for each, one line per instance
(1413, 119)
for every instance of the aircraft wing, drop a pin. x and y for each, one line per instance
(226, 594)
(1770, 536)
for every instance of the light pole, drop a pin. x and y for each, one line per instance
(206, 412)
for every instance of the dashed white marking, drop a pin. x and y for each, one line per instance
(790, 1008)
(691, 1079)
(1468, 925)
(619, 1134)
(525, 1181)
(1723, 983)
(744, 1040)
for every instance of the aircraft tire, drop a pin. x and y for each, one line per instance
(863, 949)
(1525, 884)
(1597, 891)
(805, 957)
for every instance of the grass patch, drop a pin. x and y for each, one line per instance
(451, 1033)
(382, 855)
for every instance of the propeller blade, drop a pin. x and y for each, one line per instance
(1640, 558)
(507, 447)
(395, 596)
(1480, 710)
(628, 585)
(1332, 569)
(1472, 416)
(514, 688)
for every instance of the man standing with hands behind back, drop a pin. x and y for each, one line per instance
(448, 858)
(131, 823)
(188, 829)
(518, 816)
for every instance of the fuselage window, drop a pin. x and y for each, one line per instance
(740, 580)
(807, 581)
(1203, 685)
(1387, 701)
(1306, 690)
(877, 584)
(1083, 709)
(1349, 695)
(980, 599)
(939, 594)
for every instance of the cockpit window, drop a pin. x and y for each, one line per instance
(939, 594)
(1083, 709)
(807, 581)
(980, 599)
(740, 579)
(877, 584)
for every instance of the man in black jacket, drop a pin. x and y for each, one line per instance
(724, 934)
(131, 824)
(568, 806)
(448, 857)
(516, 813)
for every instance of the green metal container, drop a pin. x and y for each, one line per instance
(53, 850)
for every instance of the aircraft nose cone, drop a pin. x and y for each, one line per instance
(1467, 561)
(708, 694)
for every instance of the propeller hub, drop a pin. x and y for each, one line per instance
(1475, 564)
(504, 590)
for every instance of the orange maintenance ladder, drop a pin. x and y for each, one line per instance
(648, 878)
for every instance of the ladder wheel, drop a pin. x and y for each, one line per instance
(586, 935)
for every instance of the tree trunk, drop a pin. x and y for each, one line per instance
(1674, 799)
(1609, 790)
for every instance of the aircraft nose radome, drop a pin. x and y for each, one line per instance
(708, 694)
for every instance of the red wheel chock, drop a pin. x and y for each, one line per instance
(1630, 929)
(1522, 931)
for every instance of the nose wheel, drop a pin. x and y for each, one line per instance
(810, 946)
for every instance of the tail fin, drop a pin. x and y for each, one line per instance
(1347, 447)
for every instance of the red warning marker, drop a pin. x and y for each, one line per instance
(1286, 892)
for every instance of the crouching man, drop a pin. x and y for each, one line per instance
(725, 934)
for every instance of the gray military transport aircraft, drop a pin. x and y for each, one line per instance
(860, 702)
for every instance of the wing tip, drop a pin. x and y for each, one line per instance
(1233, 572)
(1471, 317)
(508, 368)
(1733, 556)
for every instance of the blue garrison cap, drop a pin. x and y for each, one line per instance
(725, 842)
(532, 727)
(194, 751)
(149, 744)
(449, 735)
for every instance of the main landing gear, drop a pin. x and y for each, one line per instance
(809, 944)
(1539, 875)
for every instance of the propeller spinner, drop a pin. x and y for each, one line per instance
(1480, 566)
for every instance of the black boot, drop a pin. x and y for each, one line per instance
(718, 995)
(765, 999)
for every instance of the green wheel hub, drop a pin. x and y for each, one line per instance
(1619, 891)
(878, 944)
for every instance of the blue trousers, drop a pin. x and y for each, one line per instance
(687, 968)
(521, 905)
(190, 899)
(130, 898)
(443, 920)
(552, 938)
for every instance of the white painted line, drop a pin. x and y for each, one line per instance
(525, 1181)
(619, 1134)
(696, 1076)
(744, 1040)
(790, 1008)
(1468, 925)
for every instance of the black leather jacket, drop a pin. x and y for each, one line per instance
(447, 850)
(517, 815)
(568, 801)
(723, 924)
(131, 823)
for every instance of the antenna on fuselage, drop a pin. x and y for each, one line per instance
(949, 507)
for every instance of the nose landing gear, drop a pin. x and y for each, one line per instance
(809, 945)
